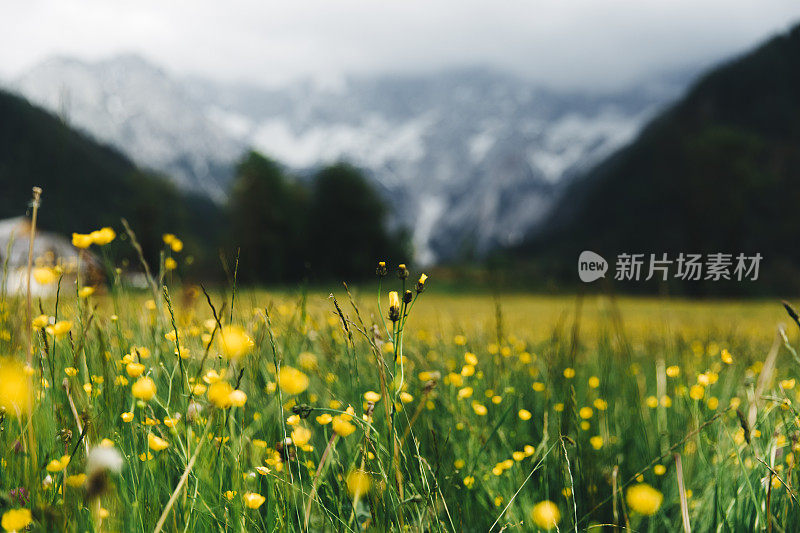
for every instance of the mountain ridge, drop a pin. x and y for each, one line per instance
(469, 159)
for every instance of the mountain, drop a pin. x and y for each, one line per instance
(716, 172)
(88, 185)
(468, 159)
(142, 111)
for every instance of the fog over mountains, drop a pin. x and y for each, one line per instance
(468, 159)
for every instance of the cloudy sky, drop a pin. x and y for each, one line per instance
(562, 43)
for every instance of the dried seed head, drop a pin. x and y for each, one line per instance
(429, 386)
(193, 411)
(402, 271)
(302, 410)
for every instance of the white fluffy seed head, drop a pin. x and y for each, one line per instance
(103, 458)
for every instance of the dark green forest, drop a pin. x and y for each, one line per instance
(333, 227)
(717, 172)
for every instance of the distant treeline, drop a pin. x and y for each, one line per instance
(331, 227)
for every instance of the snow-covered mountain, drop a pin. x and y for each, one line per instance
(141, 110)
(469, 159)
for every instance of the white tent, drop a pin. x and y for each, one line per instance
(49, 249)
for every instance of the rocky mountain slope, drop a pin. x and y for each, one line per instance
(469, 159)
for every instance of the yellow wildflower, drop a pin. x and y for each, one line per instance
(103, 236)
(307, 360)
(156, 443)
(15, 392)
(238, 398)
(44, 275)
(60, 328)
(394, 306)
(134, 370)
(529, 450)
(76, 480)
(600, 404)
(253, 500)
(219, 394)
(57, 465)
(144, 389)
(342, 427)
(85, 292)
(301, 436)
(644, 499)
(372, 396)
(358, 482)
(234, 342)
(697, 392)
(466, 392)
(292, 381)
(81, 240)
(40, 321)
(546, 515)
(16, 519)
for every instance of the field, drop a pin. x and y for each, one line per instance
(173, 410)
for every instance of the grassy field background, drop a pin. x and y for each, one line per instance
(511, 411)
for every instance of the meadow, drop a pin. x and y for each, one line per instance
(375, 409)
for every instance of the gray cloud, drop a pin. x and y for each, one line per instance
(564, 43)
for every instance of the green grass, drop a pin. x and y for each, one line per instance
(456, 425)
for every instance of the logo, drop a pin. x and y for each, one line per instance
(591, 266)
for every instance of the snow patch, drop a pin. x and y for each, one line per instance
(579, 140)
(480, 144)
(372, 143)
(233, 123)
